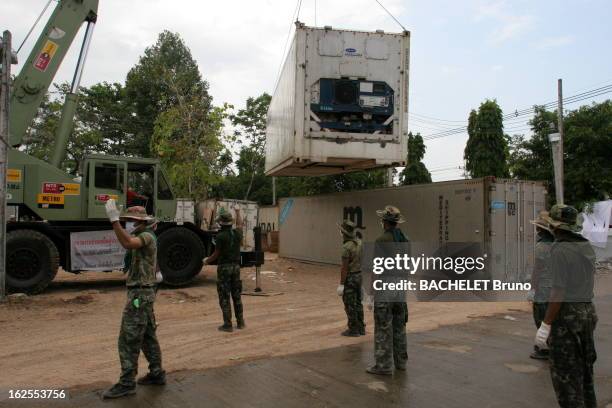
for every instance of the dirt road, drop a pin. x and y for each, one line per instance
(66, 337)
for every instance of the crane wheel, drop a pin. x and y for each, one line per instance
(180, 252)
(32, 261)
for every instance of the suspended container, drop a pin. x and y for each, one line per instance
(341, 103)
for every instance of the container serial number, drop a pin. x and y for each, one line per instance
(37, 394)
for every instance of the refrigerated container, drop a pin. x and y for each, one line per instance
(340, 104)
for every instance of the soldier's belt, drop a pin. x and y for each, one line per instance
(141, 286)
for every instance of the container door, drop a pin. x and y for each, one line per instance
(106, 179)
(533, 197)
(505, 227)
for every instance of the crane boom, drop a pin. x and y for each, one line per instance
(41, 66)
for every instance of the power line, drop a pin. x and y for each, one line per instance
(529, 111)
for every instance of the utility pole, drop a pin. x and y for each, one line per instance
(556, 144)
(8, 58)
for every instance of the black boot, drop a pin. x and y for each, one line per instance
(378, 371)
(539, 354)
(240, 323)
(226, 327)
(118, 390)
(150, 379)
(349, 333)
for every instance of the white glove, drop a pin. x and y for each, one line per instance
(541, 337)
(111, 210)
(369, 301)
(340, 290)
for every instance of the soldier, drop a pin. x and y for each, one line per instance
(541, 280)
(227, 255)
(350, 280)
(390, 318)
(570, 317)
(138, 323)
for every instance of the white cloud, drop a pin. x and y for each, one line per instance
(237, 43)
(554, 42)
(509, 25)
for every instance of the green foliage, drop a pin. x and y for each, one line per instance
(84, 140)
(531, 159)
(165, 73)
(304, 186)
(415, 171)
(486, 152)
(187, 138)
(587, 153)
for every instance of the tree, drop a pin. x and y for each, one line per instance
(587, 152)
(165, 71)
(83, 140)
(250, 130)
(486, 152)
(415, 171)
(107, 112)
(531, 159)
(187, 138)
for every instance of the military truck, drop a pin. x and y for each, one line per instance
(50, 207)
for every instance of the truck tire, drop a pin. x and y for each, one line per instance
(32, 261)
(179, 255)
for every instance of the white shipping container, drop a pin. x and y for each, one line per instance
(493, 213)
(341, 103)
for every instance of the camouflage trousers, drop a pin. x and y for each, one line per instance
(390, 344)
(352, 302)
(229, 286)
(138, 333)
(572, 354)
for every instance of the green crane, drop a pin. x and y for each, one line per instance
(52, 212)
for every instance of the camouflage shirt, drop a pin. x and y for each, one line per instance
(572, 263)
(542, 269)
(228, 242)
(351, 250)
(143, 260)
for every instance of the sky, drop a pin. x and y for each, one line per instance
(462, 52)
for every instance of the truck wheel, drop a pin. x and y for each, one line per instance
(32, 261)
(179, 255)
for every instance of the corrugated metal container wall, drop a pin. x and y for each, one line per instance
(340, 104)
(268, 218)
(494, 213)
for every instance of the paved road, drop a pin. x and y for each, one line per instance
(483, 363)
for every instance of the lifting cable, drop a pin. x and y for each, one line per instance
(392, 16)
(294, 19)
(34, 25)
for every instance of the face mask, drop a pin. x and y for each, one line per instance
(130, 227)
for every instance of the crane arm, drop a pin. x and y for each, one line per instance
(41, 66)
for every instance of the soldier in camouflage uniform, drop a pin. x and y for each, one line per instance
(390, 318)
(541, 279)
(138, 323)
(570, 319)
(227, 255)
(350, 280)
